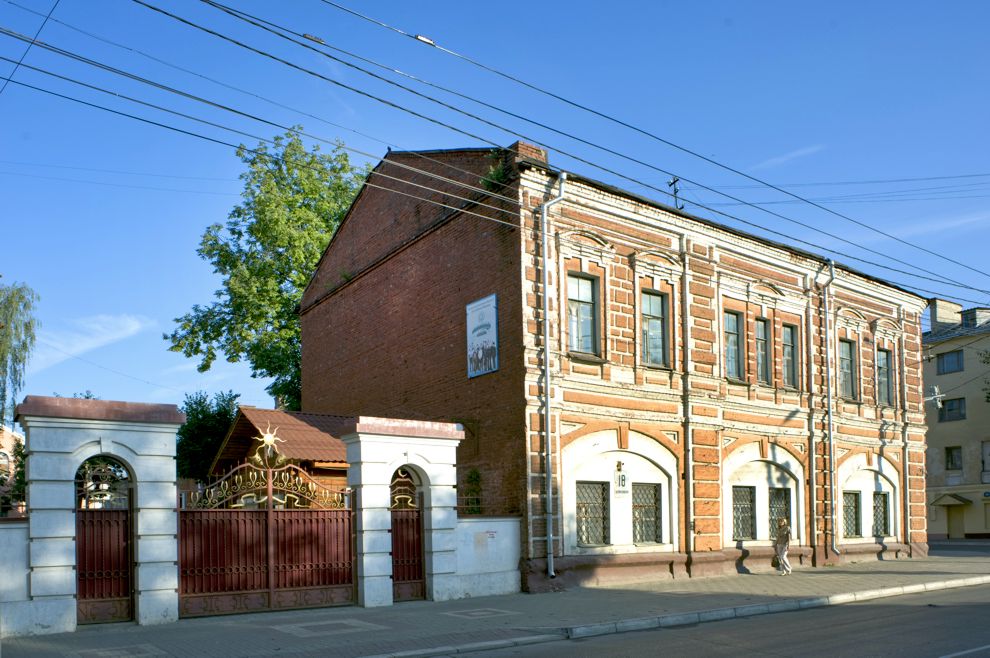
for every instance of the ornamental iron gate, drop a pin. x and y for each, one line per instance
(408, 572)
(104, 564)
(266, 536)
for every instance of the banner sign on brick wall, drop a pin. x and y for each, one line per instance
(482, 336)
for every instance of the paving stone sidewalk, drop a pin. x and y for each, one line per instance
(425, 628)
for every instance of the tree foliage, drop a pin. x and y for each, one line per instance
(207, 423)
(293, 200)
(16, 488)
(17, 328)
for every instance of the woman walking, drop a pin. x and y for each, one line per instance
(780, 545)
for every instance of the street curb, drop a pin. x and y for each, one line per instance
(675, 620)
(739, 612)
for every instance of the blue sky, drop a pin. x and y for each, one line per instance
(102, 215)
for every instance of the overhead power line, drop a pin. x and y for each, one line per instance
(646, 133)
(813, 246)
(30, 43)
(938, 278)
(457, 209)
(240, 90)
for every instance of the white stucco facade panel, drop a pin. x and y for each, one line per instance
(14, 549)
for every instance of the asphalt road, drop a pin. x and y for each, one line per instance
(944, 624)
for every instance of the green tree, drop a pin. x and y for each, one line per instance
(17, 487)
(293, 200)
(17, 327)
(207, 423)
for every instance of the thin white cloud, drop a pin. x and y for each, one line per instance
(939, 224)
(787, 157)
(187, 366)
(84, 335)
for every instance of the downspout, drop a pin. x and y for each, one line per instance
(547, 453)
(810, 387)
(906, 486)
(686, 495)
(826, 289)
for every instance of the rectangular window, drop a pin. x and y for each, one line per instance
(954, 409)
(733, 345)
(582, 314)
(881, 514)
(654, 352)
(646, 513)
(763, 351)
(790, 365)
(780, 507)
(847, 369)
(885, 379)
(949, 362)
(953, 458)
(850, 514)
(743, 513)
(592, 513)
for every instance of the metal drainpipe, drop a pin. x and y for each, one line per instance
(906, 484)
(685, 384)
(810, 387)
(828, 397)
(547, 455)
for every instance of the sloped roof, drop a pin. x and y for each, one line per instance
(304, 436)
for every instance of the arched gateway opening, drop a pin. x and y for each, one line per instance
(406, 504)
(104, 542)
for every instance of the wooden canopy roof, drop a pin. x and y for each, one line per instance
(304, 437)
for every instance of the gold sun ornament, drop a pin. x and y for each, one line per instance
(268, 439)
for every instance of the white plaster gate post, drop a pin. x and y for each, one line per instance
(376, 448)
(62, 433)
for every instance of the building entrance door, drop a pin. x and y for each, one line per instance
(408, 573)
(104, 560)
(956, 521)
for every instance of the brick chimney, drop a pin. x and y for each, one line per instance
(944, 314)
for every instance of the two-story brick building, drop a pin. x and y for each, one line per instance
(682, 365)
(958, 465)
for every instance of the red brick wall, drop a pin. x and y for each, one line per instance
(391, 341)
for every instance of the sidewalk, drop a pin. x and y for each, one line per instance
(425, 628)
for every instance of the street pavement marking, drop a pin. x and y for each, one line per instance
(985, 647)
(321, 628)
(481, 613)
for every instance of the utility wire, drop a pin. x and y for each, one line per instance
(277, 31)
(30, 43)
(876, 181)
(455, 209)
(646, 133)
(216, 105)
(115, 171)
(240, 90)
(224, 107)
(940, 278)
(122, 185)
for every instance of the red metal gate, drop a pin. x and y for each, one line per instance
(408, 567)
(294, 550)
(103, 566)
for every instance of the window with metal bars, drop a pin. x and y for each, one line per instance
(592, 513)
(780, 507)
(646, 513)
(881, 514)
(743, 513)
(850, 514)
